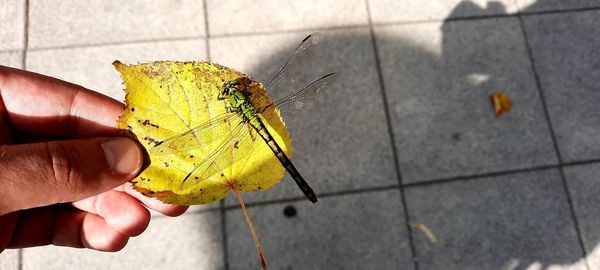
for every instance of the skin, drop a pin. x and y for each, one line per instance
(58, 184)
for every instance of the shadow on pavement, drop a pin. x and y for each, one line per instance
(463, 71)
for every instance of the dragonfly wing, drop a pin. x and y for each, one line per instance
(295, 63)
(196, 137)
(289, 105)
(223, 157)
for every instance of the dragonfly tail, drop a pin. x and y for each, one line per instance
(287, 164)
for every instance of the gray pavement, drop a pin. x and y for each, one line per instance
(407, 136)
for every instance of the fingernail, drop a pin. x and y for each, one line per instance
(123, 156)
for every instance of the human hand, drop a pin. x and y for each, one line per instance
(63, 170)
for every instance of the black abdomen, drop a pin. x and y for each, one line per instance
(285, 161)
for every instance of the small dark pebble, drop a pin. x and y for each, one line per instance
(456, 136)
(289, 211)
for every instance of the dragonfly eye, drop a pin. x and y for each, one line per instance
(244, 83)
(235, 82)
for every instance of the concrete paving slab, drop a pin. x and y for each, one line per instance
(11, 59)
(9, 259)
(555, 5)
(392, 11)
(59, 23)
(439, 78)
(582, 181)
(342, 141)
(514, 221)
(233, 17)
(187, 242)
(565, 50)
(12, 20)
(92, 67)
(358, 231)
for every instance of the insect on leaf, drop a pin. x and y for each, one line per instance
(209, 129)
(173, 110)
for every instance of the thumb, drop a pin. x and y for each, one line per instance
(33, 175)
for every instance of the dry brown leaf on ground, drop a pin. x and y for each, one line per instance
(501, 102)
(425, 230)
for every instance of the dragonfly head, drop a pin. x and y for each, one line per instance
(236, 85)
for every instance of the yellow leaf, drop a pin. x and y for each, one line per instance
(209, 129)
(167, 99)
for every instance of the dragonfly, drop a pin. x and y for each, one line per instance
(246, 113)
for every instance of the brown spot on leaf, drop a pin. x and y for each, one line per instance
(151, 140)
(147, 122)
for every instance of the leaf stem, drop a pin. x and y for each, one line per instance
(263, 262)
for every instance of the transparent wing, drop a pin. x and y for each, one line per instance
(193, 138)
(222, 157)
(275, 84)
(289, 105)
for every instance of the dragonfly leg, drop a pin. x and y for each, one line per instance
(251, 131)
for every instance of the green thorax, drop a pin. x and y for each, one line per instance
(239, 102)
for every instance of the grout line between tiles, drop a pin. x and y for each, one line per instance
(582, 162)
(12, 51)
(574, 217)
(290, 31)
(321, 195)
(206, 31)
(435, 181)
(126, 42)
(463, 18)
(467, 18)
(439, 181)
(391, 137)
(558, 11)
(25, 34)
(490, 16)
(498, 173)
(20, 259)
(224, 234)
(553, 136)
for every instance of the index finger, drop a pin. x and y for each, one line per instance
(42, 105)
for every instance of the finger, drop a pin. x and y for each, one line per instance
(96, 234)
(119, 210)
(43, 105)
(154, 204)
(65, 226)
(6, 136)
(46, 173)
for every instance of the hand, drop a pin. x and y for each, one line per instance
(63, 167)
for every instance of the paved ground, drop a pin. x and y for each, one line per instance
(406, 137)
